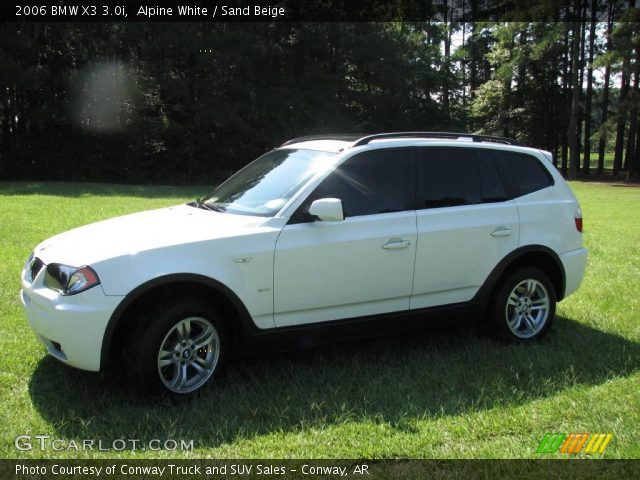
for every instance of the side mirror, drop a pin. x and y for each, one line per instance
(327, 209)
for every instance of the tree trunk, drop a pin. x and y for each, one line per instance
(572, 131)
(551, 137)
(633, 122)
(462, 64)
(622, 111)
(448, 17)
(506, 132)
(522, 67)
(583, 43)
(634, 167)
(473, 50)
(602, 143)
(587, 116)
(566, 94)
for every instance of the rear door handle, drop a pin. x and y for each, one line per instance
(396, 244)
(501, 232)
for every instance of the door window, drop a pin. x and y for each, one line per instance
(449, 177)
(493, 188)
(378, 181)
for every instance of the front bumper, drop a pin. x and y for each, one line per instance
(575, 263)
(70, 327)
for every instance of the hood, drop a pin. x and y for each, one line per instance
(142, 231)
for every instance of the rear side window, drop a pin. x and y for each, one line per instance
(524, 172)
(379, 181)
(449, 177)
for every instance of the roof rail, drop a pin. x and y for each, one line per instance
(452, 135)
(346, 137)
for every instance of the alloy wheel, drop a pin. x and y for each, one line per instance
(527, 308)
(188, 355)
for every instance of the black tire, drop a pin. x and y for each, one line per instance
(524, 319)
(163, 326)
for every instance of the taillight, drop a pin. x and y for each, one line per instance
(578, 219)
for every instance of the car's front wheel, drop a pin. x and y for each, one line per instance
(523, 306)
(177, 348)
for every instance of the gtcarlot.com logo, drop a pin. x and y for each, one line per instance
(574, 443)
(46, 442)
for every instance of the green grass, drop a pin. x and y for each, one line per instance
(593, 160)
(439, 395)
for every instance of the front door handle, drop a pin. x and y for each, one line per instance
(396, 244)
(501, 232)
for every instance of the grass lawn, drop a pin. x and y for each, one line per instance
(442, 395)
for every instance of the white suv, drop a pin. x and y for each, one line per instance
(323, 232)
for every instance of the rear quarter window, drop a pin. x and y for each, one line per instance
(524, 172)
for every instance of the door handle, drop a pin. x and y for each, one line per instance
(501, 232)
(396, 244)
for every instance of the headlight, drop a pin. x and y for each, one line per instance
(28, 262)
(70, 280)
(27, 265)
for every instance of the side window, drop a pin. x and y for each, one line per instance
(379, 181)
(525, 172)
(493, 188)
(448, 177)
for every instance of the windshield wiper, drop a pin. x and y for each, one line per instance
(198, 203)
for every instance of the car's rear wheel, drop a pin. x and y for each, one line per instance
(177, 348)
(523, 306)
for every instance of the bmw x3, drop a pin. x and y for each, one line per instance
(321, 232)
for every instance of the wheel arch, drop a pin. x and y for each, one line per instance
(532, 255)
(123, 321)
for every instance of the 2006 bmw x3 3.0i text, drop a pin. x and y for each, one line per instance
(321, 234)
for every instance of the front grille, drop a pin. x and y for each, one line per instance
(34, 268)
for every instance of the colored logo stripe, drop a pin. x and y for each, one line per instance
(551, 442)
(574, 443)
(598, 443)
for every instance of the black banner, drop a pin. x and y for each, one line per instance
(313, 469)
(279, 11)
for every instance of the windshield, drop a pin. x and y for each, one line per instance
(265, 185)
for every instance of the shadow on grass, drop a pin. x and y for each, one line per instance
(85, 189)
(392, 380)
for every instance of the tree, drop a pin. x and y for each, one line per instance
(589, 94)
(623, 44)
(572, 131)
(633, 140)
(605, 95)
